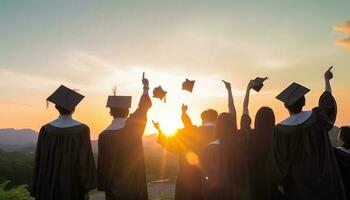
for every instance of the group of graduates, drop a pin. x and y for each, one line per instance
(293, 160)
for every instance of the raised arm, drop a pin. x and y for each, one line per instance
(138, 119)
(246, 99)
(186, 120)
(328, 75)
(245, 119)
(327, 103)
(231, 105)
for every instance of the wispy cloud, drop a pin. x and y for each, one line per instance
(344, 28)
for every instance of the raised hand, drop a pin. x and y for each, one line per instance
(328, 75)
(227, 85)
(145, 81)
(156, 125)
(250, 84)
(184, 108)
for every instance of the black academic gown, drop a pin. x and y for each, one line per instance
(303, 160)
(64, 167)
(188, 144)
(343, 159)
(259, 145)
(121, 166)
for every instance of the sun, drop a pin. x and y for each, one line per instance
(169, 127)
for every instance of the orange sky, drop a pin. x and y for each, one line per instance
(94, 46)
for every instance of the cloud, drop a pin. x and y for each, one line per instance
(344, 28)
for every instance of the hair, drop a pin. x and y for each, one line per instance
(209, 115)
(264, 119)
(119, 112)
(224, 126)
(64, 111)
(344, 135)
(264, 125)
(296, 107)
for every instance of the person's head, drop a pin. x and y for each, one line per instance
(296, 107)
(344, 137)
(63, 111)
(224, 126)
(209, 116)
(264, 119)
(119, 112)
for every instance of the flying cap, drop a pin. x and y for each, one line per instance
(188, 85)
(159, 93)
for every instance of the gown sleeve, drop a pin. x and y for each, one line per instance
(327, 110)
(36, 163)
(136, 123)
(278, 165)
(101, 163)
(87, 168)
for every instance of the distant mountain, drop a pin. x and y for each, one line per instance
(24, 141)
(149, 143)
(12, 136)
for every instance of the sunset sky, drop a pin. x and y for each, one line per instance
(95, 45)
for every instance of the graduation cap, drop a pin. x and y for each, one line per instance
(65, 97)
(258, 83)
(159, 93)
(188, 85)
(292, 93)
(115, 101)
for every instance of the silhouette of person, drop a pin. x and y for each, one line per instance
(259, 142)
(342, 153)
(224, 161)
(121, 166)
(303, 160)
(64, 166)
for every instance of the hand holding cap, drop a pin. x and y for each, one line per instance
(227, 84)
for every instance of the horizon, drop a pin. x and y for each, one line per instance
(93, 47)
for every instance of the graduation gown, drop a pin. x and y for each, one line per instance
(226, 172)
(64, 167)
(259, 145)
(188, 144)
(121, 166)
(303, 160)
(343, 158)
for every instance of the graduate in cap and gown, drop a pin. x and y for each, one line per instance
(64, 166)
(121, 166)
(188, 144)
(342, 153)
(303, 159)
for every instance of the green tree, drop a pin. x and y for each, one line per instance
(18, 193)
